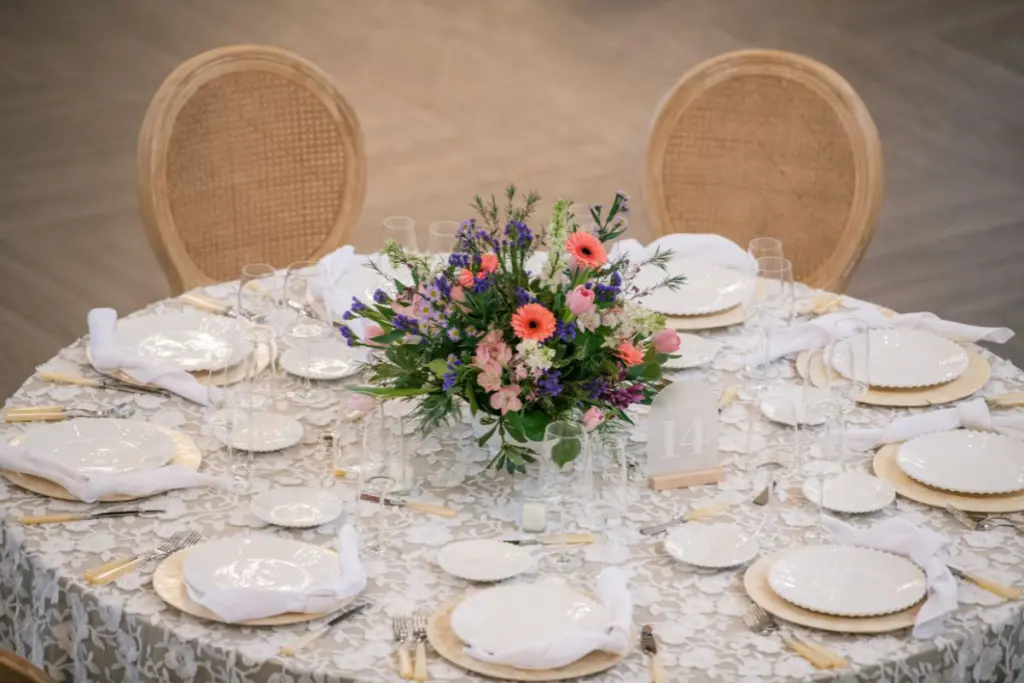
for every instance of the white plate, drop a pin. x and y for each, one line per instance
(693, 352)
(781, 402)
(268, 431)
(297, 506)
(263, 562)
(902, 358)
(327, 360)
(709, 288)
(102, 445)
(964, 461)
(523, 614)
(847, 581)
(712, 546)
(852, 493)
(190, 339)
(484, 559)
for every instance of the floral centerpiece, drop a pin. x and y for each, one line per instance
(521, 339)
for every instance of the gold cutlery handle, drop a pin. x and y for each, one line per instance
(40, 414)
(104, 578)
(289, 650)
(420, 670)
(817, 659)
(658, 674)
(729, 395)
(203, 304)
(404, 663)
(52, 519)
(1013, 399)
(1000, 589)
(60, 378)
(94, 574)
(428, 509)
(710, 510)
(568, 539)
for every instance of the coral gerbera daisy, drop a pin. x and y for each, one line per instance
(533, 321)
(586, 249)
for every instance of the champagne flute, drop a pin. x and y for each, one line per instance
(816, 470)
(565, 461)
(256, 300)
(441, 239)
(851, 342)
(381, 486)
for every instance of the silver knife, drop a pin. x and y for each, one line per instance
(78, 516)
(289, 650)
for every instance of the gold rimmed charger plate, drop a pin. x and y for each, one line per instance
(230, 375)
(186, 454)
(755, 581)
(887, 468)
(974, 378)
(448, 645)
(709, 321)
(169, 583)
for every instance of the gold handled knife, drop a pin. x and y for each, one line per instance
(691, 516)
(555, 539)
(414, 505)
(650, 647)
(994, 587)
(79, 516)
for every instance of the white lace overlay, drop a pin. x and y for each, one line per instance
(124, 632)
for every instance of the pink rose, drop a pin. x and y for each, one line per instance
(489, 263)
(666, 341)
(580, 300)
(372, 330)
(489, 381)
(458, 294)
(506, 399)
(592, 418)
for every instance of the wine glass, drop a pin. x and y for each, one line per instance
(817, 470)
(850, 345)
(760, 247)
(308, 335)
(381, 486)
(774, 294)
(401, 230)
(566, 466)
(296, 298)
(441, 238)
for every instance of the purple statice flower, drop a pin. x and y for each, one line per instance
(564, 331)
(406, 324)
(443, 287)
(523, 297)
(482, 284)
(623, 398)
(349, 336)
(606, 293)
(381, 297)
(458, 260)
(348, 315)
(623, 202)
(550, 383)
(595, 388)
(519, 233)
(450, 377)
(616, 280)
(357, 306)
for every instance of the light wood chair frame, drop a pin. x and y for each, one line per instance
(181, 270)
(833, 272)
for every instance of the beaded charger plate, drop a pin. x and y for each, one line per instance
(449, 646)
(755, 582)
(974, 378)
(710, 321)
(887, 468)
(186, 454)
(169, 584)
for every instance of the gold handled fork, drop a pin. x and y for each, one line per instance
(109, 571)
(419, 626)
(983, 524)
(400, 626)
(819, 656)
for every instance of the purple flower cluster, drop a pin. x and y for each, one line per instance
(595, 387)
(519, 234)
(406, 324)
(444, 287)
(622, 398)
(458, 260)
(381, 297)
(450, 377)
(523, 297)
(564, 331)
(550, 383)
(623, 202)
(469, 235)
(482, 284)
(606, 293)
(349, 336)
(357, 305)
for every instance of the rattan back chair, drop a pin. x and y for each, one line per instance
(766, 143)
(15, 669)
(248, 154)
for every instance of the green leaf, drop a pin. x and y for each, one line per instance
(389, 337)
(651, 371)
(486, 437)
(438, 366)
(471, 399)
(391, 392)
(514, 426)
(565, 451)
(534, 423)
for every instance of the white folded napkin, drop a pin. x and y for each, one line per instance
(969, 414)
(817, 333)
(702, 247)
(329, 287)
(926, 548)
(242, 604)
(107, 356)
(612, 592)
(92, 487)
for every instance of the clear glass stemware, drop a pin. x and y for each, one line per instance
(566, 465)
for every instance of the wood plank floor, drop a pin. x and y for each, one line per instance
(460, 96)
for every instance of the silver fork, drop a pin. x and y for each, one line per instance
(419, 631)
(108, 572)
(764, 624)
(400, 625)
(985, 524)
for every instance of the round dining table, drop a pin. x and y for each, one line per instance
(124, 631)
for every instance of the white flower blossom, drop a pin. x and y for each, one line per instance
(534, 355)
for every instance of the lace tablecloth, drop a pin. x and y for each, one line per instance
(124, 632)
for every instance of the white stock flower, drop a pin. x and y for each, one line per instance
(534, 355)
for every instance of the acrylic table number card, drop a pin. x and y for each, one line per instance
(682, 437)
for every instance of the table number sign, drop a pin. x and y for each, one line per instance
(682, 438)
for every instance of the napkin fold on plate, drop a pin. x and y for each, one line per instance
(972, 414)
(701, 247)
(817, 333)
(925, 548)
(242, 604)
(612, 592)
(90, 488)
(329, 286)
(108, 357)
